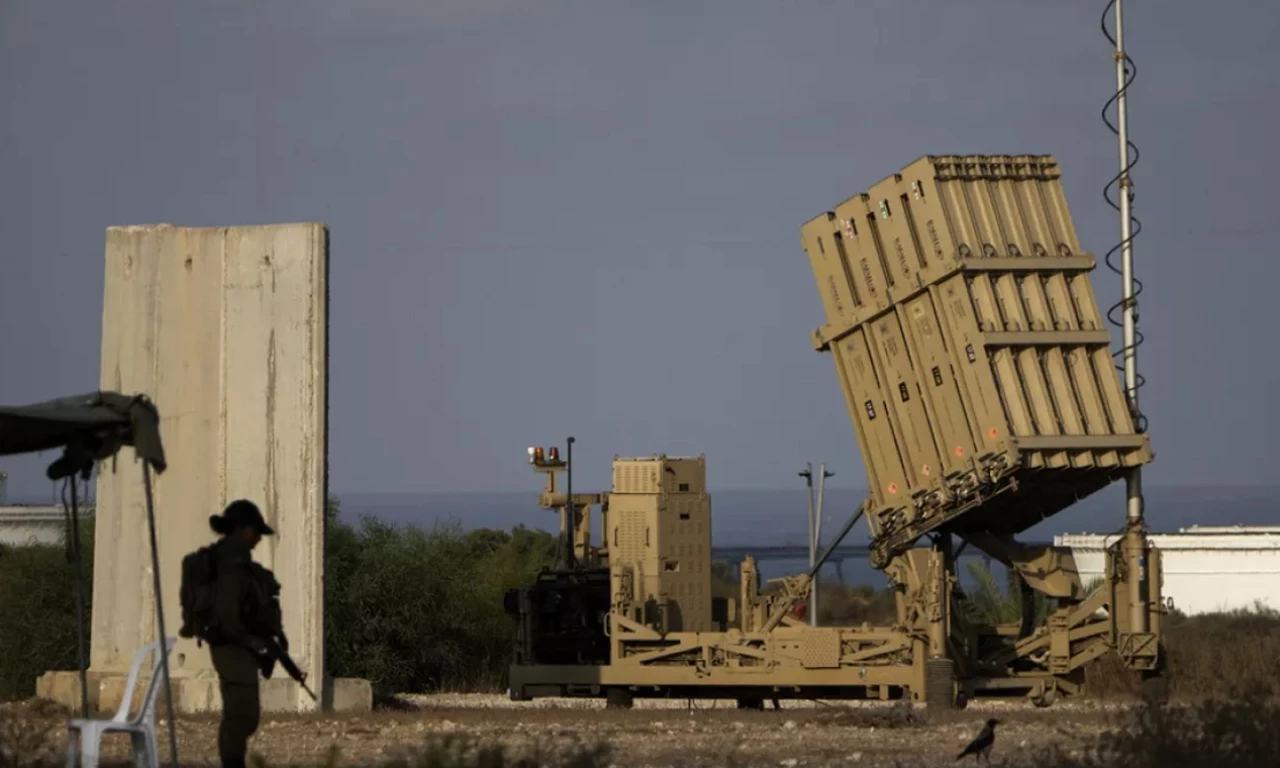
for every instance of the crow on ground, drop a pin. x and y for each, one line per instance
(980, 747)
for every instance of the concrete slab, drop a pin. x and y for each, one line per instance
(199, 694)
(226, 329)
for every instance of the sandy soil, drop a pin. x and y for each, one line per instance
(654, 733)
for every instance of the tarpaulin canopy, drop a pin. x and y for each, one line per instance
(88, 427)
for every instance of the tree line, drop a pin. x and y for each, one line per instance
(420, 609)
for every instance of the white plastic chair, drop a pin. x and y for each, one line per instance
(141, 728)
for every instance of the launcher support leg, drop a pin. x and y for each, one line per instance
(1135, 545)
(937, 595)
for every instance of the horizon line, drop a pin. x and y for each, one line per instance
(778, 489)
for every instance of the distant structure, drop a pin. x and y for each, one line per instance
(1206, 568)
(25, 525)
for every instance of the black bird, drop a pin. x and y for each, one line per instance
(981, 746)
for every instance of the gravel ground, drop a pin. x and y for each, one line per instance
(654, 733)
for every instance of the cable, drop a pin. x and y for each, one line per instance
(1131, 72)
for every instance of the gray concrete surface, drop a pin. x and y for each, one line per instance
(225, 329)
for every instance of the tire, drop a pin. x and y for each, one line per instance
(940, 684)
(618, 698)
(1153, 686)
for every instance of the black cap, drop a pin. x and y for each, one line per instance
(243, 512)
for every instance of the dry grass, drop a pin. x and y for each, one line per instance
(1209, 656)
(1218, 733)
(461, 751)
(31, 734)
(585, 738)
(1233, 733)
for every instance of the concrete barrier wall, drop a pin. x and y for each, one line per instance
(225, 329)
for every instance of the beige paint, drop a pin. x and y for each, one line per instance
(225, 329)
(969, 346)
(976, 368)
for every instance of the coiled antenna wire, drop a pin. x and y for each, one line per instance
(1130, 227)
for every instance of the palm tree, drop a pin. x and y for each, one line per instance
(990, 604)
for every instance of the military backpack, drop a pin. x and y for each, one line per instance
(198, 594)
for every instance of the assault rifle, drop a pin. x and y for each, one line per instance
(278, 651)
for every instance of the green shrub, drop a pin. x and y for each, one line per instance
(406, 608)
(418, 610)
(37, 613)
(415, 610)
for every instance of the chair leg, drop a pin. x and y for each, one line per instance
(73, 747)
(89, 740)
(145, 754)
(155, 748)
(138, 740)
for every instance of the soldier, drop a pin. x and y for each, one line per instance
(245, 610)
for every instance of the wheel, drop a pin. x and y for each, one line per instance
(940, 684)
(1045, 699)
(618, 698)
(1153, 688)
(1153, 685)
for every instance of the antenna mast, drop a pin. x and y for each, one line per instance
(1129, 303)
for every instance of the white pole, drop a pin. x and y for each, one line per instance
(1133, 480)
(1126, 233)
(807, 474)
(817, 542)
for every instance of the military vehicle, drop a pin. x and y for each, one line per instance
(976, 368)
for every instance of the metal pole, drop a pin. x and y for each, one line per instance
(571, 524)
(163, 648)
(807, 474)
(78, 556)
(1133, 479)
(823, 474)
(1126, 235)
(831, 548)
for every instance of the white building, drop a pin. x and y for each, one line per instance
(1206, 568)
(22, 526)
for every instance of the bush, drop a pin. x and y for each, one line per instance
(1234, 732)
(419, 610)
(406, 608)
(1208, 655)
(37, 613)
(415, 610)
